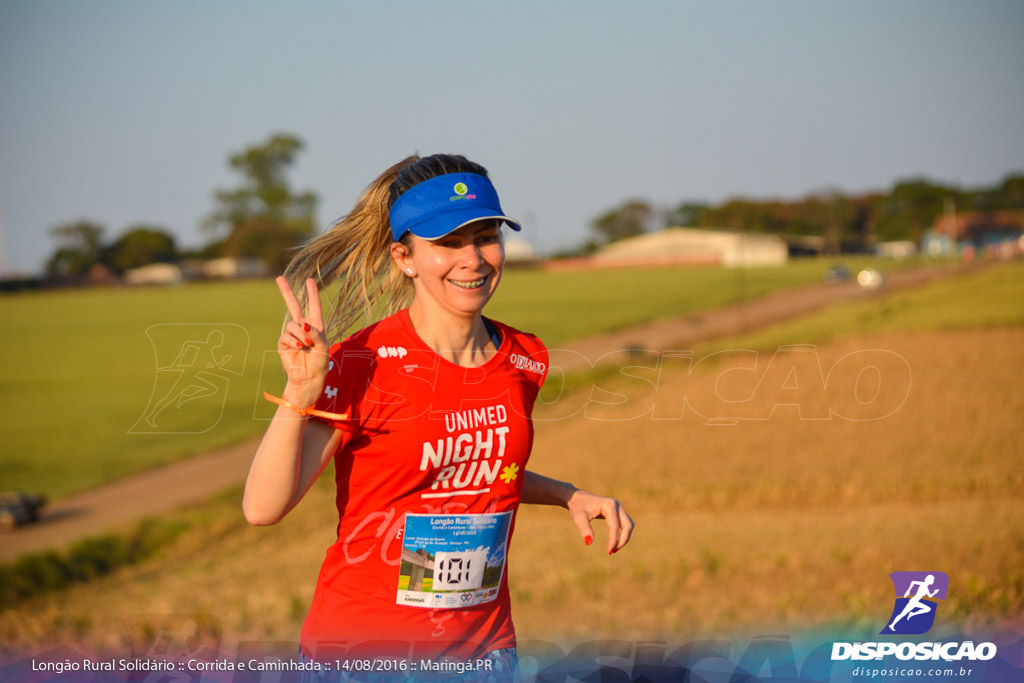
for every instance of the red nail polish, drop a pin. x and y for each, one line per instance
(298, 345)
(305, 327)
(588, 540)
(309, 342)
(612, 551)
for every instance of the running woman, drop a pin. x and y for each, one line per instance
(427, 415)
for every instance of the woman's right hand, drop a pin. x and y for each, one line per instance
(303, 346)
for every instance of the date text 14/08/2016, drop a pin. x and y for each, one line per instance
(454, 666)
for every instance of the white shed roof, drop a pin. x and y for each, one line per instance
(678, 245)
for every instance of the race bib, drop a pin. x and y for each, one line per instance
(452, 561)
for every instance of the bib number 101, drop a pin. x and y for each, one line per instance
(462, 570)
(454, 572)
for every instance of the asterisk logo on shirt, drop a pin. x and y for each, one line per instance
(509, 474)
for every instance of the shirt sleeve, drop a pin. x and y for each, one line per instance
(542, 357)
(347, 378)
(538, 355)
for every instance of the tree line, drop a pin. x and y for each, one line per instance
(262, 218)
(845, 222)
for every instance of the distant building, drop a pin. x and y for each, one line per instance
(153, 274)
(192, 269)
(679, 246)
(899, 249)
(520, 253)
(230, 268)
(804, 245)
(974, 231)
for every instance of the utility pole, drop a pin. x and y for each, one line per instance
(3, 247)
(951, 217)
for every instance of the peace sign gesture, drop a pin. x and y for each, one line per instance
(303, 345)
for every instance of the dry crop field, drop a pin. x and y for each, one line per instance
(751, 518)
(778, 522)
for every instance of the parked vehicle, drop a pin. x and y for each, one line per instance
(836, 274)
(18, 507)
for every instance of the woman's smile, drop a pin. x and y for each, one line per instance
(470, 284)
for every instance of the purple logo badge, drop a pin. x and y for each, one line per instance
(917, 596)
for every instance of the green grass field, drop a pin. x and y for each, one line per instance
(79, 368)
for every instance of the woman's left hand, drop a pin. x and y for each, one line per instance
(584, 507)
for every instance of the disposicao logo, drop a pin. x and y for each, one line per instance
(914, 612)
(917, 596)
(461, 189)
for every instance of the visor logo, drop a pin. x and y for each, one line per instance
(461, 189)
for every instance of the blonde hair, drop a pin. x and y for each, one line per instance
(355, 251)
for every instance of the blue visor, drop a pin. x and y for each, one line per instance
(444, 203)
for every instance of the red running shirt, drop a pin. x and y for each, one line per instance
(424, 437)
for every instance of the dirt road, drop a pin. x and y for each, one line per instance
(683, 332)
(155, 492)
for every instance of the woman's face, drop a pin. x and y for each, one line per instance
(460, 271)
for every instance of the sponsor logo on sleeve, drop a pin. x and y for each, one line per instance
(522, 362)
(392, 351)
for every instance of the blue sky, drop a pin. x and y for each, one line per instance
(126, 112)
